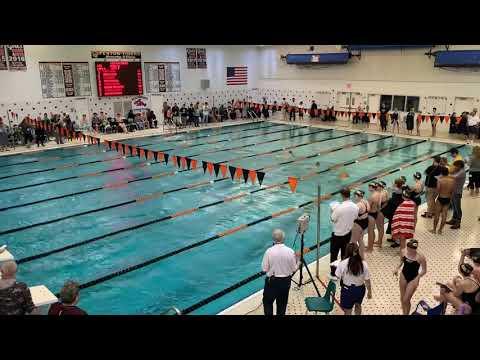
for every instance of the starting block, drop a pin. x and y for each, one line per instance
(42, 298)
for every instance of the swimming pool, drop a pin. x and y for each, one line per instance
(141, 238)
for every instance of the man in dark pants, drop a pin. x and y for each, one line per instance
(279, 263)
(342, 218)
(293, 109)
(460, 178)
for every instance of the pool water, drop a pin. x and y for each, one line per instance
(69, 213)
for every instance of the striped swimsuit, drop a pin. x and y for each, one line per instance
(403, 222)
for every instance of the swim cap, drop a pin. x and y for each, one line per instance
(412, 244)
(382, 184)
(417, 175)
(373, 184)
(360, 193)
(466, 269)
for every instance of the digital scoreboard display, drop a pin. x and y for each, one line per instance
(119, 78)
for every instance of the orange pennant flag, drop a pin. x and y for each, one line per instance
(252, 174)
(238, 173)
(134, 151)
(161, 157)
(437, 119)
(193, 164)
(174, 160)
(293, 182)
(223, 169)
(427, 117)
(142, 153)
(183, 161)
(210, 168)
(150, 155)
(447, 118)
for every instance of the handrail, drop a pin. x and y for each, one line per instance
(175, 310)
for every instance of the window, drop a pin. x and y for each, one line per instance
(399, 103)
(412, 102)
(386, 100)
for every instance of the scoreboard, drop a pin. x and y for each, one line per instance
(119, 78)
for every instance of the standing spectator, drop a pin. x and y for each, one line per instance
(354, 275)
(40, 135)
(300, 111)
(274, 108)
(434, 122)
(403, 221)
(176, 115)
(313, 109)
(293, 110)
(472, 121)
(265, 112)
(342, 218)
(383, 118)
(60, 126)
(279, 263)
(474, 164)
(410, 120)
(191, 115)
(431, 186)
(15, 297)
(285, 109)
(69, 297)
(205, 113)
(152, 119)
(3, 135)
(460, 177)
(417, 190)
(395, 200)
(196, 114)
(410, 262)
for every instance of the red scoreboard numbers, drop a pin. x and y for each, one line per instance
(119, 78)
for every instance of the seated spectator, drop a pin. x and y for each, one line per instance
(15, 297)
(69, 297)
(122, 126)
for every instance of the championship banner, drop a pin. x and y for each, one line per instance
(191, 58)
(118, 55)
(3, 58)
(16, 58)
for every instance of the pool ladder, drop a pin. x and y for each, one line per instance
(172, 311)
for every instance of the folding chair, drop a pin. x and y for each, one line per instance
(427, 310)
(322, 304)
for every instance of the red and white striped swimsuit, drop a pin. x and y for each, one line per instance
(403, 222)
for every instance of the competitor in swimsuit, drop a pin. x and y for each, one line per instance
(417, 191)
(360, 225)
(445, 187)
(463, 289)
(410, 261)
(375, 215)
(394, 117)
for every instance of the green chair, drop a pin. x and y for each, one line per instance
(322, 304)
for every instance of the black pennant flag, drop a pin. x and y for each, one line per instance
(123, 148)
(138, 153)
(232, 170)
(116, 146)
(179, 159)
(110, 145)
(373, 115)
(146, 154)
(260, 176)
(130, 148)
(204, 165)
(441, 119)
(245, 174)
(84, 137)
(216, 168)
(155, 155)
(166, 158)
(189, 161)
(98, 141)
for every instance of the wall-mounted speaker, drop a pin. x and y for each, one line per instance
(204, 84)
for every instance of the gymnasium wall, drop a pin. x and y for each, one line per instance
(18, 86)
(394, 72)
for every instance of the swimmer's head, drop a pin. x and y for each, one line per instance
(417, 176)
(466, 269)
(412, 244)
(359, 194)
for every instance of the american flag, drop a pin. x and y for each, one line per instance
(237, 75)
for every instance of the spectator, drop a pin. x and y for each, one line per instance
(191, 113)
(410, 262)
(3, 135)
(40, 135)
(342, 218)
(152, 119)
(205, 113)
(15, 297)
(474, 165)
(403, 221)
(395, 200)
(434, 122)
(473, 120)
(410, 120)
(196, 114)
(293, 110)
(455, 156)
(274, 108)
(279, 263)
(417, 191)
(445, 190)
(69, 297)
(460, 177)
(176, 115)
(313, 109)
(300, 111)
(431, 186)
(354, 275)
(383, 118)
(265, 112)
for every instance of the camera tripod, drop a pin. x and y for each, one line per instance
(302, 264)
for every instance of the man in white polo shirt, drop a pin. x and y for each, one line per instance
(342, 222)
(280, 263)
